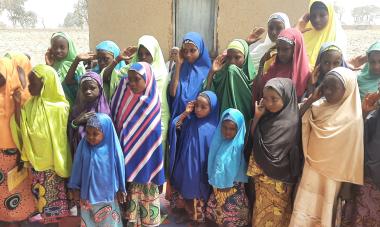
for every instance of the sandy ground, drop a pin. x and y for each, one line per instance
(36, 41)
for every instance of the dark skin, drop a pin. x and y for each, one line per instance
(58, 50)
(229, 129)
(275, 26)
(90, 91)
(69, 79)
(2, 80)
(319, 16)
(104, 58)
(374, 62)
(136, 82)
(329, 60)
(144, 55)
(284, 52)
(125, 56)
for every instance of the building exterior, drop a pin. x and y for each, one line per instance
(219, 21)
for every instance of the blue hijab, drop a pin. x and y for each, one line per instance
(191, 76)
(189, 152)
(226, 162)
(98, 171)
(111, 47)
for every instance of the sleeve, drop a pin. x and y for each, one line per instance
(75, 180)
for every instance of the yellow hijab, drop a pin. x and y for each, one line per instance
(41, 136)
(332, 135)
(333, 32)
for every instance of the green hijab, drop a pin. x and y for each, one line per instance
(63, 66)
(233, 85)
(41, 136)
(367, 81)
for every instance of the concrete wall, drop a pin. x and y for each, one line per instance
(124, 21)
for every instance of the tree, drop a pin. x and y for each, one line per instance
(339, 10)
(73, 20)
(17, 14)
(79, 17)
(365, 14)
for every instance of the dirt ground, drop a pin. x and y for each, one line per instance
(36, 41)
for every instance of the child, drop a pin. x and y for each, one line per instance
(136, 112)
(275, 163)
(170, 65)
(18, 204)
(370, 75)
(62, 57)
(231, 78)
(39, 131)
(321, 25)
(98, 173)
(189, 153)
(332, 138)
(192, 65)
(90, 100)
(228, 204)
(291, 62)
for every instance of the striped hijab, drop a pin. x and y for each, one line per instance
(137, 120)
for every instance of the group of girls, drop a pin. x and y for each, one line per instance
(279, 133)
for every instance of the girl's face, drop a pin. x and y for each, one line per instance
(35, 84)
(275, 26)
(90, 91)
(332, 89)
(202, 107)
(319, 16)
(374, 62)
(235, 57)
(284, 51)
(330, 60)
(104, 58)
(94, 136)
(2, 80)
(59, 48)
(136, 82)
(190, 52)
(144, 55)
(272, 100)
(229, 129)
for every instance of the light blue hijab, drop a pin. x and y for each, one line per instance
(111, 47)
(226, 162)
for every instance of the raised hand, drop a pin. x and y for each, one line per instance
(218, 63)
(127, 54)
(255, 35)
(49, 57)
(173, 52)
(315, 74)
(190, 107)
(316, 95)
(83, 118)
(357, 62)
(259, 109)
(177, 56)
(370, 102)
(302, 22)
(86, 56)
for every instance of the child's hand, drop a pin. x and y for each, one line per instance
(127, 54)
(302, 22)
(315, 74)
(83, 118)
(370, 102)
(190, 107)
(17, 97)
(218, 63)
(121, 197)
(357, 62)
(255, 35)
(178, 57)
(86, 56)
(49, 57)
(259, 109)
(316, 95)
(173, 52)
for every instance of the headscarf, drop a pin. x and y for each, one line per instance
(104, 159)
(226, 162)
(367, 80)
(100, 105)
(332, 134)
(63, 66)
(333, 32)
(112, 48)
(189, 151)
(137, 119)
(191, 76)
(41, 136)
(371, 145)
(297, 70)
(276, 138)
(233, 85)
(258, 52)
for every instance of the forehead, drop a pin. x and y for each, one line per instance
(59, 40)
(189, 46)
(89, 82)
(142, 48)
(318, 7)
(270, 91)
(91, 129)
(275, 22)
(229, 123)
(104, 53)
(331, 79)
(234, 52)
(202, 100)
(374, 54)
(283, 44)
(331, 54)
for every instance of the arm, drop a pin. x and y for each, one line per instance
(317, 94)
(126, 56)
(217, 65)
(189, 109)
(69, 79)
(17, 101)
(255, 35)
(259, 112)
(175, 80)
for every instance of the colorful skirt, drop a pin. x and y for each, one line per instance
(143, 205)
(229, 207)
(18, 204)
(195, 208)
(316, 200)
(100, 214)
(364, 209)
(50, 191)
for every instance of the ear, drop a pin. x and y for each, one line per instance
(21, 76)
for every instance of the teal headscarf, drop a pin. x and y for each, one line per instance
(367, 81)
(226, 162)
(63, 66)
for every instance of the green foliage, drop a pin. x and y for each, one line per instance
(79, 17)
(17, 13)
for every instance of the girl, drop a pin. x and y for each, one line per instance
(321, 25)
(231, 78)
(330, 157)
(90, 99)
(364, 209)
(136, 112)
(228, 204)
(275, 163)
(17, 204)
(370, 75)
(98, 173)
(189, 153)
(39, 131)
(291, 62)
(276, 23)
(61, 55)
(192, 65)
